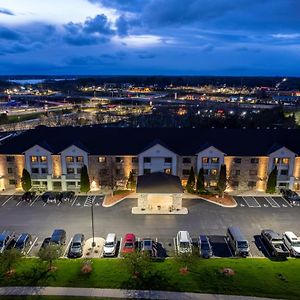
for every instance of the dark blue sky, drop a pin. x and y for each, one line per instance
(192, 37)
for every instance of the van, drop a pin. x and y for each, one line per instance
(184, 242)
(110, 245)
(58, 237)
(237, 242)
(292, 242)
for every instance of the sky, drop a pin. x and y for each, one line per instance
(150, 37)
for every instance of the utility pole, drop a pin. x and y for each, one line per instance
(92, 219)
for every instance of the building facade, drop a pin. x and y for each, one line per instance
(54, 156)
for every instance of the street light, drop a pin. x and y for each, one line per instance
(92, 217)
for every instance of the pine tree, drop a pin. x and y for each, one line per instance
(131, 184)
(200, 182)
(84, 180)
(26, 180)
(272, 181)
(222, 182)
(190, 186)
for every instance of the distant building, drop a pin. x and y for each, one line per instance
(54, 156)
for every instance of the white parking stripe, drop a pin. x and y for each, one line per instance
(120, 248)
(287, 202)
(251, 199)
(45, 204)
(33, 243)
(67, 248)
(175, 248)
(272, 202)
(75, 198)
(19, 202)
(37, 197)
(7, 200)
(225, 239)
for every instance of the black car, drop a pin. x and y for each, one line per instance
(58, 237)
(50, 197)
(46, 242)
(66, 196)
(291, 196)
(28, 196)
(23, 241)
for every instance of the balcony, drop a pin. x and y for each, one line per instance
(73, 176)
(38, 176)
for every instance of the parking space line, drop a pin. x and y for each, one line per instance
(272, 202)
(75, 198)
(19, 202)
(67, 248)
(287, 202)
(156, 240)
(30, 248)
(37, 197)
(225, 239)
(7, 200)
(45, 204)
(175, 248)
(120, 248)
(252, 198)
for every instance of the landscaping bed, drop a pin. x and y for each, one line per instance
(112, 200)
(227, 200)
(253, 277)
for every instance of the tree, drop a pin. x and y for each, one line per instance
(49, 254)
(222, 181)
(200, 182)
(84, 180)
(137, 263)
(272, 181)
(26, 180)
(131, 183)
(190, 186)
(9, 258)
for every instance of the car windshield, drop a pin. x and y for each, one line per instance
(204, 247)
(19, 244)
(296, 244)
(76, 245)
(128, 245)
(147, 243)
(109, 244)
(184, 245)
(1, 244)
(242, 244)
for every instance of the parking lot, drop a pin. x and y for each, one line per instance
(252, 214)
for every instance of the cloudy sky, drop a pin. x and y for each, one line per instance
(193, 37)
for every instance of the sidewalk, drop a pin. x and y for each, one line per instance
(115, 293)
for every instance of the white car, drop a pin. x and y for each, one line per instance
(184, 242)
(110, 245)
(292, 242)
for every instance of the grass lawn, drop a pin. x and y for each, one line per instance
(255, 277)
(52, 298)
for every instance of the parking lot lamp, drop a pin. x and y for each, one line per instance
(93, 231)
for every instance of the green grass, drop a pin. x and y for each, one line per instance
(52, 298)
(253, 277)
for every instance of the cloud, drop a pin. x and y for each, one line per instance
(5, 11)
(123, 5)
(146, 55)
(8, 34)
(122, 26)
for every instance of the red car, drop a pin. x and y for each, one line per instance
(128, 245)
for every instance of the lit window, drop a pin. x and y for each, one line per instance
(69, 159)
(213, 183)
(79, 159)
(101, 159)
(276, 160)
(119, 159)
(167, 171)
(213, 172)
(33, 158)
(285, 161)
(43, 159)
(205, 160)
(215, 160)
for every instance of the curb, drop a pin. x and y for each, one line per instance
(222, 205)
(110, 205)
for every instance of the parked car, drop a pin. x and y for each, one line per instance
(184, 242)
(58, 237)
(205, 249)
(28, 196)
(23, 240)
(76, 246)
(237, 241)
(110, 245)
(46, 243)
(50, 197)
(128, 245)
(292, 242)
(291, 196)
(66, 196)
(6, 237)
(274, 241)
(147, 246)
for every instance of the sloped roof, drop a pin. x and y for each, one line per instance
(159, 183)
(99, 140)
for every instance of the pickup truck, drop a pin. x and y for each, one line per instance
(274, 241)
(6, 238)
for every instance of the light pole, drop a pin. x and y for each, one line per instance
(92, 217)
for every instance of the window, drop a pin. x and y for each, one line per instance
(186, 160)
(167, 171)
(70, 170)
(237, 172)
(33, 159)
(78, 170)
(69, 159)
(35, 182)
(43, 159)
(284, 172)
(205, 160)
(251, 184)
(101, 159)
(205, 171)
(119, 159)
(147, 171)
(134, 160)
(213, 183)
(285, 161)
(185, 172)
(168, 160)
(10, 170)
(71, 183)
(215, 160)
(254, 160)
(237, 160)
(276, 160)
(44, 170)
(283, 184)
(12, 182)
(35, 170)
(10, 158)
(213, 172)
(253, 172)
(235, 184)
(147, 159)
(79, 159)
